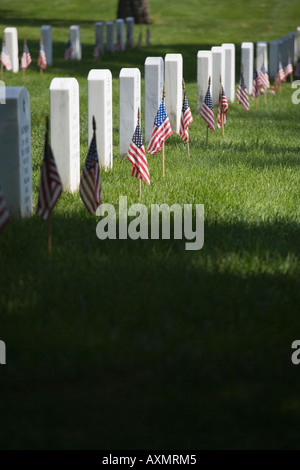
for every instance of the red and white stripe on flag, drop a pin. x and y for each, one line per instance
(186, 120)
(208, 116)
(90, 181)
(137, 156)
(50, 185)
(161, 130)
(222, 109)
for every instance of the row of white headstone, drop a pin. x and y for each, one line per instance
(289, 44)
(115, 32)
(15, 127)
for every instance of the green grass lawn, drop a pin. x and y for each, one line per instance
(123, 344)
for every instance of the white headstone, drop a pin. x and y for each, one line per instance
(75, 42)
(247, 55)
(110, 36)
(297, 46)
(173, 86)
(229, 73)
(99, 34)
(154, 82)
(292, 36)
(120, 34)
(203, 74)
(218, 68)
(64, 124)
(130, 101)
(261, 55)
(15, 152)
(274, 50)
(129, 20)
(100, 106)
(11, 41)
(46, 32)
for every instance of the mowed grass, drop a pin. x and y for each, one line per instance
(123, 344)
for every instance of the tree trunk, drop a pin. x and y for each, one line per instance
(139, 9)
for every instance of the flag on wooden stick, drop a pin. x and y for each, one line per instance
(222, 107)
(280, 75)
(68, 50)
(288, 69)
(4, 212)
(50, 184)
(206, 111)
(26, 57)
(186, 118)
(161, 130)
(5, 58)
(242, 93)
(256, 85)
(90, 181)
(264, 77)
(97, 51)
(137, 155)
(42, 61)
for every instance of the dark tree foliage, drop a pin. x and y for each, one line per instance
(139, 9)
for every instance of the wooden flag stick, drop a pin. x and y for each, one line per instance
(163, 145)
(140, 181)
(221, 106)
(49, 217)
(187, 144)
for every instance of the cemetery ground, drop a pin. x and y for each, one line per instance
(123, 344)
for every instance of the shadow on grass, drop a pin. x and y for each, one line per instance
(142, 345)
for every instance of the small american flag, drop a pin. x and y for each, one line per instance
(256, 85)
(279, 77)
(5, 59)
(97, 51)
(281, 73)
(264, 77)
(161, 130)
(50, 184)
(26, 58)
(185, 120)
(207, 112)
(137, 156)
(4, 213)
(242, 93)
(288, 69)
(222, 108)
(90, 181)
(42, 61)
(68, 50)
